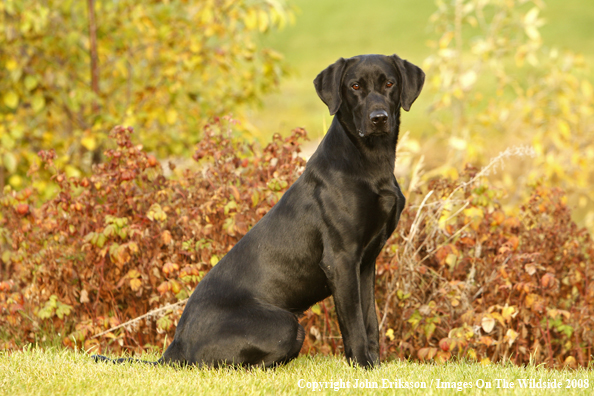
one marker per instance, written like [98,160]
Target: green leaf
[10,162]
[164,323]
[316,309]
[38,103]
[30,82]
[63,310]
[7,141]
[415,318]
[109,230]
[429,329]
[101,240]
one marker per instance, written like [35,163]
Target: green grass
[329,29]
[64,372]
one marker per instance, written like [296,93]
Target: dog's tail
[101,358]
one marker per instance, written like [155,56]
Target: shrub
[126,240]
[463,278]
[459,278]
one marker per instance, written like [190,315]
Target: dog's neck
[373,151]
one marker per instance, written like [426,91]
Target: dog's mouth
[372,131]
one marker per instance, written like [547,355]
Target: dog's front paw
[364,359]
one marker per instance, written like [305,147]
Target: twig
[150,313]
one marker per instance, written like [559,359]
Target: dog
[321,239]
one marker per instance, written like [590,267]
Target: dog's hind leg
[251,334]
[298,343]
[281,345]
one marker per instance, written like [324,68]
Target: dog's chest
[379,207]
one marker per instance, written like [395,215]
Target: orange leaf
[163,288]
[166,237]
[547,280]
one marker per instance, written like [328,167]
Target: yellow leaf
[89,143]
[497,315]
[564,129]
[133,247]
[445,40]
[587,89]
[570,361]
[530,300]
[511,336]
[263,21]
[507,313]
[531,16]
[207,15]
[451,260]
[171,116]
[390,334]
[135,284]
[11,99]
[251,19]
[11,65]
[214,259]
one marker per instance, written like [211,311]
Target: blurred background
[324,31]
[500,74]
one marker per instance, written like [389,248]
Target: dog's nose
[379,117]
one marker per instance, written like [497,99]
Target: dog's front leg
[343,278]
[368,306]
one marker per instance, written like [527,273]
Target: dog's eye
[389,84]
[355,86]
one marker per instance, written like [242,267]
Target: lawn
[327,30]
[65,372]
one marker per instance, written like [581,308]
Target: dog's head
[369,90]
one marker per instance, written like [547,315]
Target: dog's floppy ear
[327,85]
[412,81]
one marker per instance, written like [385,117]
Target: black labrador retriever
[322,238]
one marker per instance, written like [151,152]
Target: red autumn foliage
[459,278]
